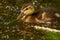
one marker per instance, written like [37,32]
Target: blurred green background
[10,29]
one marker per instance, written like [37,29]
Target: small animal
[45,16]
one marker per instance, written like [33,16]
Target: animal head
[26,9]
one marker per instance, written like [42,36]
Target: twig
[47,29]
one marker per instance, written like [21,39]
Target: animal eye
[26,8]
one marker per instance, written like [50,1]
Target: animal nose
[22,11]
[20,15]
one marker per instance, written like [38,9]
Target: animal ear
[57,14]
